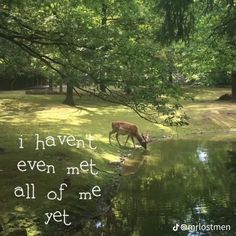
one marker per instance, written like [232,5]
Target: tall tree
[208,30]
[68,38]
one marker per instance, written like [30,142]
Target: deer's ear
[143,136]
[148,138]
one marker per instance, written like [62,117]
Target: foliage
[178,20]
[90,42]
[211,45]
[106,47]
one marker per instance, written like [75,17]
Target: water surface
[176,182]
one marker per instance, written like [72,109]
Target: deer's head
[145,140]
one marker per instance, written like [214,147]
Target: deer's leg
[112,132]
[127,140]
[117,135]
[132,138]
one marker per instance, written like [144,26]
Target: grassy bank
[45,115]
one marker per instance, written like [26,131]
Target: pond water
[177,183]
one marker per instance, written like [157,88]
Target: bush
[218,78]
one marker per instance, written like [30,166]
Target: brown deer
[126,128]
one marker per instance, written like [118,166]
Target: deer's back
[123,127]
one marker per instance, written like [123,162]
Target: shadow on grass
[30,213]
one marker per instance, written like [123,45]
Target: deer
[126,128]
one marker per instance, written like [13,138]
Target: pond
[179,183]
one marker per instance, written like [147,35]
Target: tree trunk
[233,77]
[61,87]
[69,95]
[170,78]
[102,85]
[128,89]
[50,85]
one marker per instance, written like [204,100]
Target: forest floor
[47,113]
[209,115]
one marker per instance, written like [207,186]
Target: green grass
[207,115]
[46,115]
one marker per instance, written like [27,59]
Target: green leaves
[108,45]
[178,20]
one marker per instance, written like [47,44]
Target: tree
[227,28]
[201,35]
[68,38]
